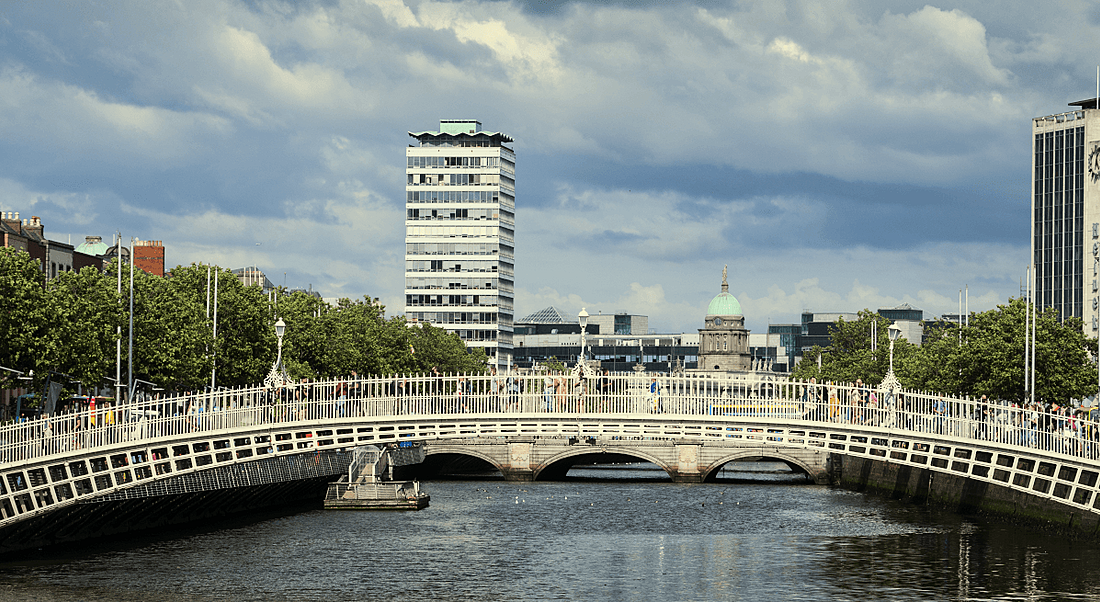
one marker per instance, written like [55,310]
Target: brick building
[149,256]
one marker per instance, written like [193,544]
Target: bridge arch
[436,452]
[775,453]
[551,467]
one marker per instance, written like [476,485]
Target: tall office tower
[1065,210]
[460,203]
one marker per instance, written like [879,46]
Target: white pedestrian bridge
[231,440]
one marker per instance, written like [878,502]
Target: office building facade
[1065,213]
[460,234]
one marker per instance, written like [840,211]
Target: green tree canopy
[985,357]
[850,355]
[24,315]
[71,325]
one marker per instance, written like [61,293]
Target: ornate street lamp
[582,368]
[278,377]
[890,382]
[583,319]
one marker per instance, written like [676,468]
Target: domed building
[724,341]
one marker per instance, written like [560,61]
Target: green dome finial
[724,304]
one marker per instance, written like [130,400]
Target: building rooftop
[549,315]
[461,129]
[1088,103]
[94,245]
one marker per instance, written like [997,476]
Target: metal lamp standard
[890,382]
[582,368]
[582,318]
[278,377]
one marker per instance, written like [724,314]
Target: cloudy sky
[836,155]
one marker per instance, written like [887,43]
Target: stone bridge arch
[557,466]
[434,454]
[789,456]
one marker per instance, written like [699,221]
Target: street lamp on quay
[278,377]
[582,318]
[22,375]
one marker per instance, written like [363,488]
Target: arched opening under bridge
[756,468]
[457,466]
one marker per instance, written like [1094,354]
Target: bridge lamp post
[582,369]
[582,318]
[890,382]
[277,377]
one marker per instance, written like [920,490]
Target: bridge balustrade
[720,398]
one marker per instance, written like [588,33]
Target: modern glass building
[1065,225]
[460,203]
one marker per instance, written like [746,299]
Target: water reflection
[628,539]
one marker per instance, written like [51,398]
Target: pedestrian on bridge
[834,403]
[939,414]
[548,392]
[461,396]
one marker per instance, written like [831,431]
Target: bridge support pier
[518,466]
[687,468]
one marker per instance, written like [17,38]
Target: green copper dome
[724,304]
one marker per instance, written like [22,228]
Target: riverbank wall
[961,494]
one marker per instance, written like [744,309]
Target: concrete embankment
[961,494]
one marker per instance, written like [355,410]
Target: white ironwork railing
[725,398]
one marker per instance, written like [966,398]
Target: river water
[631,536]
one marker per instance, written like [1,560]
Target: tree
[303,341]
[988,357]
[85,310]
[985,357]
[849,356]
[245,346]
[171,334]
[24,319]
[445,350]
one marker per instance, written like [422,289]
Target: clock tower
[723,340]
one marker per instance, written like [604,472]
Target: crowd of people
[1062,428]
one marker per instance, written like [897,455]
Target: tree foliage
[324,341]
[70,325]
[984,357]
[24,318]
[850,355]
[85,311]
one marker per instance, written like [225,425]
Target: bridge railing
[665,397]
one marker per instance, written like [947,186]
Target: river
[609,535]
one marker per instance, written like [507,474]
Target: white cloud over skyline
[836,155]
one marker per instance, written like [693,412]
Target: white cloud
[69,120]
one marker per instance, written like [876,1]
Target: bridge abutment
[959,493]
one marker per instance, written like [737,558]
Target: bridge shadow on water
[161,536]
